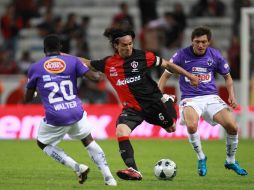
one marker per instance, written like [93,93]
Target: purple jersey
[204,67]
[55,78]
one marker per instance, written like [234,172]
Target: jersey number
[62,87]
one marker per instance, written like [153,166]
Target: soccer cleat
[166,97]
[129,174]
[236,168]
[202,170]
[109,180]
[82,173]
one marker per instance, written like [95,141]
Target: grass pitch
[23,166]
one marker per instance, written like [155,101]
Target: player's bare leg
[226,119]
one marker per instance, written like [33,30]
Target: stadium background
[22,164]
[81,25]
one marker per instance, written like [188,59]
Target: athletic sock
[97,155]
[194,140]
[127,152]
[231,147]
[60,156]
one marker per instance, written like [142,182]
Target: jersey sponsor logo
[54,65]
[199,69]
[187,61]
[46,78]
[203,77]
[134,65]
[128,80]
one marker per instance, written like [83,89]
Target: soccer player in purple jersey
[127,71]
[55,79]
[204,62]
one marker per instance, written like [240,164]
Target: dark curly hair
[113,34]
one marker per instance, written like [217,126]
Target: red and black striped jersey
[130,78]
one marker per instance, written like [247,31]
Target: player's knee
[41,145]
[231,128]
[122,131]
[119,132]
[192,127]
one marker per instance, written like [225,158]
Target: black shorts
[161,114]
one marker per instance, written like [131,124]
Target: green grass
[24,167]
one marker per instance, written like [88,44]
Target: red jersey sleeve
[152,59]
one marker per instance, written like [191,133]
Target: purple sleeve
[32,79]
[222,65]
[176,58]
[81,68]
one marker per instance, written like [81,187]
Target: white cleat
[109,180]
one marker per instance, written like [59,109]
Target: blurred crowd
[156,33]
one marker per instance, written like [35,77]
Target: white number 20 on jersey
[60,87]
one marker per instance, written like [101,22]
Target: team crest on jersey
[209,61]
[55,65]
[199,69]
[134,65]
[113,72]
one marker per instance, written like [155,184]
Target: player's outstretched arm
[85,61]
[163,80]
[94,75]
[171,67]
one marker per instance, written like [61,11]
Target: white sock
[194,139]
[60,156]
[231,147]
[98,156]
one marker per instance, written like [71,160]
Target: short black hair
[200,31]
[52,43]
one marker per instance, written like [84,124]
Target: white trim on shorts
[206,106]
[50,134]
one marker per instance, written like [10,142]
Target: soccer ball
[165,169]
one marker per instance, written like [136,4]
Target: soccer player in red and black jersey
[127,71]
